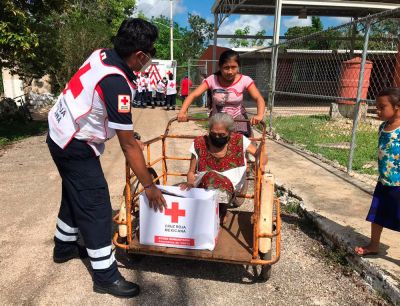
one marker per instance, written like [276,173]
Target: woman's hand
[256,120]
[182,117]
[186,186]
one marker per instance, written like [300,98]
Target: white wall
[13,86]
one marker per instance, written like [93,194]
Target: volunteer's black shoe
[167,107]
[119,288]
[77,252]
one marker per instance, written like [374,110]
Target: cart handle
[264,127]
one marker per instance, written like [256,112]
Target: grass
[331,254]
[312,131]
[204,124]
[14,130]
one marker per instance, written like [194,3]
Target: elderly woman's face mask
[219,141]
[219,136]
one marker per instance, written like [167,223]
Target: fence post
[274,64]
[358,99]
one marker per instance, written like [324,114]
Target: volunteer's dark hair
[171,77]
[135,35]
[393,93]
[226,56]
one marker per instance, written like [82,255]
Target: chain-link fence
[321,89]
[197,71]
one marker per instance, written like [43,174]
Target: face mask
[219,142]
[145,65]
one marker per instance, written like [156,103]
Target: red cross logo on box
[175,212]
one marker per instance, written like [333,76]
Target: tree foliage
[258,42]
[54,37]
[82,29]
[198,36]
[244,42]
[327,40]
[21,29]
[240,42]
[189,43]
[334,39]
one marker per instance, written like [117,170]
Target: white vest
[75,104]
[171,87]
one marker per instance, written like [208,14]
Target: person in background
[186,84]
[139,82]
[160,91]
[385,206]
[146,90]
[171,92]
[153,95]
[144,95]
[227,86]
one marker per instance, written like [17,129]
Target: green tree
[163,42]
[297,31]
[21,29]
[385,35]
[316,24]
[258,42]
[198,36]
[326,40]
[240,42]
[82,29]
[36,39]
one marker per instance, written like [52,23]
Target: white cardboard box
[190,221]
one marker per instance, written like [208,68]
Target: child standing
[385,206]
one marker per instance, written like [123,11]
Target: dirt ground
[30,195]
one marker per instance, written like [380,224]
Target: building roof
[337,8]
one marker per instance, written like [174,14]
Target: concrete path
[339,206]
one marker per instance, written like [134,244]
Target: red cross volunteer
[94,107]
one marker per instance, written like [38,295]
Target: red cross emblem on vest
[175,212]
[75,84]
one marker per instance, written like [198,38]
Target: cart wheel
[266,270]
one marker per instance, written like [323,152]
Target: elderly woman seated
[219,159]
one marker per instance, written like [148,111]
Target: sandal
[364,251]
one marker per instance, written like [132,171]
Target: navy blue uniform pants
[171,100]
[85,207]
